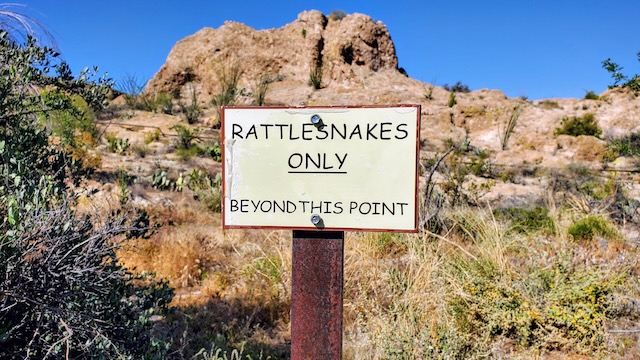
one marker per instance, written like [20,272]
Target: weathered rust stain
[316,295]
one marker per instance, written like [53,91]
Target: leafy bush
[527,220]
[592,225]
[186,154]
[63,292]
[69,124]
[576,126]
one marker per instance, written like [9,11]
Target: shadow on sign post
[320,171]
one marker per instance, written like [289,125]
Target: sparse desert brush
[384,244]
[140,149]
[152,136]
[182,248]
[527,220]
[457,294]
[628,145]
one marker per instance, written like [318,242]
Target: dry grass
[404,294]
[477,288]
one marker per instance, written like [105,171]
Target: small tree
[620,79]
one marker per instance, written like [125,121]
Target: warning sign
[333,168]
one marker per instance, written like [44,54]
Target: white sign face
[332,168]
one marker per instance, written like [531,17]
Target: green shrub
[590,226]
[260,91]
[627,146]
[186,136]
[69,125]
[557,307]
[193,150]
[229,78]
[457,87]
[163,103]
[576,126]
[591,95]
[527,220]
[63,291]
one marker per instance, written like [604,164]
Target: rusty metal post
[316,295]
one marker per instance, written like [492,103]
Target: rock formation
[342,48]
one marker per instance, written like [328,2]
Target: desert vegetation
[111,243]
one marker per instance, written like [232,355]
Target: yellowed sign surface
[354,168]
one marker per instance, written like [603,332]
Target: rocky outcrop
[345,49]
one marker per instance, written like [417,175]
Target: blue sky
[538,49]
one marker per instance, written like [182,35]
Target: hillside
[530,243]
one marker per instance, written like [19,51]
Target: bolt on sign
[321,168]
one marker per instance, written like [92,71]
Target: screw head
[315,219]
[315,119]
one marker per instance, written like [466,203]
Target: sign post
[320,171]
[316,294]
